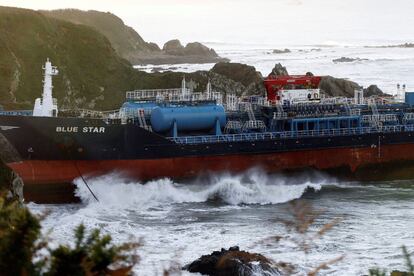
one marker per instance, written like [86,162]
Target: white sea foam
[253,187]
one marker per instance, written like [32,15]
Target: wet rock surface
[279,70]
[347,59]
[232,262]
[405,45]
[281,51]
[373,90]
[248,81]
[336,87]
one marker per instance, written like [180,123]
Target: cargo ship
[178,133]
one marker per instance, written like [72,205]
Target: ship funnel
[46,106]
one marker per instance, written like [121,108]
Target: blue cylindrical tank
[188,118]
[409,98]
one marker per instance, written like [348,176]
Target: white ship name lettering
[84,129]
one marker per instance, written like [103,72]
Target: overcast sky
[282,22]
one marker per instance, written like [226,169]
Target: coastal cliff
[131,46]
[93,75]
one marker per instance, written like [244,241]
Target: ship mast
[47,105]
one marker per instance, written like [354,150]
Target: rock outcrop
[347,59]
[174,47]
[250,80]
[336,87]
[283,51]
[373,90]
[232,262]
[279,70]
[405,45]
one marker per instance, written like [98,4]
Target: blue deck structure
[16,112]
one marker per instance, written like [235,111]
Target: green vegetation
[129,44]
[125,40]
[21,245]
[19,232]
[92,255]
[91,74]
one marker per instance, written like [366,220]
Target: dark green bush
[21,243]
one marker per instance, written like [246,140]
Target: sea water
[180,221]
[385,67]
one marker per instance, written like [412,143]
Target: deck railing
[288,134]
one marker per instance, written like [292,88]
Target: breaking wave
[251,187]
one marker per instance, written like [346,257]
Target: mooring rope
[84,181]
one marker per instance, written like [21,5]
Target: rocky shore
[347,59]
[173,52]
[405,45]
[233,262]
[283,51]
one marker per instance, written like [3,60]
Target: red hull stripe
[37,171]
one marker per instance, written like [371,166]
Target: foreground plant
[21,245]
[19,236]
[93,255]
[408,264]
[304,234]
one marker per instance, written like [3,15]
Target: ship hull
[52,181]
[50,153]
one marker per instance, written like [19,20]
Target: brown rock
[284,51]
[173,47]
[279,70]
[336,87]
[247,76]
[232,262]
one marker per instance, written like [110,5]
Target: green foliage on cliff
[91,73]
[125,40]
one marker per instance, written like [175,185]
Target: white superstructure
[46,106]
[293,96]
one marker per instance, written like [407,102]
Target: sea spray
[251,187]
